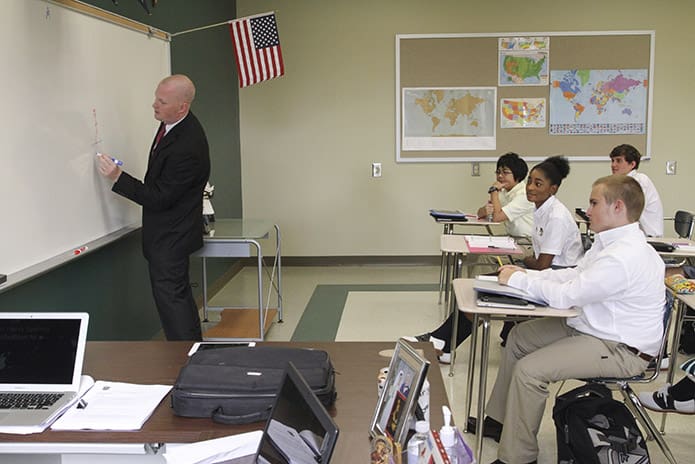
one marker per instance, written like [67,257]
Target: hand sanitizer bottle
[448,436]
[417,445]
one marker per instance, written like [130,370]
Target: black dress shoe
[491,428]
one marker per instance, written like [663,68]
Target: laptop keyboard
[28,400]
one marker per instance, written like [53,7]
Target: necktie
[160,134]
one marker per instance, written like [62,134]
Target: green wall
[112,283]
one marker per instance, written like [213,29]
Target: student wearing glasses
[507,202]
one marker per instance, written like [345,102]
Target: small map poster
[452,118]
[524,60]
[518,113]
[593,102]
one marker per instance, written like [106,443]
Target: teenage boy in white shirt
[625,160]
[619,287]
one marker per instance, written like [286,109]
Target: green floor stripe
[321,317]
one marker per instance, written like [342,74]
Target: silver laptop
[41,356]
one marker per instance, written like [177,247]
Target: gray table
[235,238]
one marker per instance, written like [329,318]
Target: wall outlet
[376,169]
[671,168]
[475,169]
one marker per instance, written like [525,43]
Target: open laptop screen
[41,350]
[299,429]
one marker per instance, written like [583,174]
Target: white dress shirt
[618,285]
[518,209]
[652,218]
[556,233]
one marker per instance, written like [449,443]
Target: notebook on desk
[41,356]
[495,288]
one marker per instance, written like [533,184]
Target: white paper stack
[113,406]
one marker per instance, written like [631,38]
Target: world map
[449,118]
[585,101]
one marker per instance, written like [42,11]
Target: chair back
[668,313]
[683,224]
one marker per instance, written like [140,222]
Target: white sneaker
[662,401]
[444,358]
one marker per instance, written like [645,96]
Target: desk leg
[484,352]
[261,309]
[205,291]
[448,229]
[453,309]
[681,308]
[278,259]
[471,371]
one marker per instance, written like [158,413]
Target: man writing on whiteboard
[171,197]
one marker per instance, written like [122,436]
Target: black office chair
[683,224]
[631,399]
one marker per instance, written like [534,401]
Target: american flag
[257,49]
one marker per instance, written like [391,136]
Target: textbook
[448,215]
[484,286]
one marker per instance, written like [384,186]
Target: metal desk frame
[233,238]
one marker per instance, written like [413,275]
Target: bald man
[171,197]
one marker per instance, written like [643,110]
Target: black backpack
[592,427]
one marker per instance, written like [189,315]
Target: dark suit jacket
[172,192]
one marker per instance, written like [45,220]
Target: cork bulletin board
[439,75]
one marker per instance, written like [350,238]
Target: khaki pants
[539,352]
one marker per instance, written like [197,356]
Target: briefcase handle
[219,416]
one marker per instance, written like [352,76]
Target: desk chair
[683,223]
[630,399]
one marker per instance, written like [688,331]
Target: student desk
[234,238]
[445,264]
[681,307]
[466,300]
[457,246]
[357,365]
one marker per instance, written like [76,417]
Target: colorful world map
[584,101]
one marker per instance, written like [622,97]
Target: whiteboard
[73,85]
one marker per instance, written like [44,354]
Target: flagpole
[201,28]
[217,24]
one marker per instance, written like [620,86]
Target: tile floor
[416,312]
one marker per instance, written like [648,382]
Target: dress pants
[539,352]
[173,296]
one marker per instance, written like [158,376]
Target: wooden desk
[234,238]
[356,363]
[466,300]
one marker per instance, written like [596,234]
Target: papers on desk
[684,248]
[113,406]
[216,450]
[86,383]
[488,242]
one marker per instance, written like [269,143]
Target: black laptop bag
[237,385]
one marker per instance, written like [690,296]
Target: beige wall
[308,139]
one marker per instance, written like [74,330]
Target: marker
[79,250]
[115,160]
